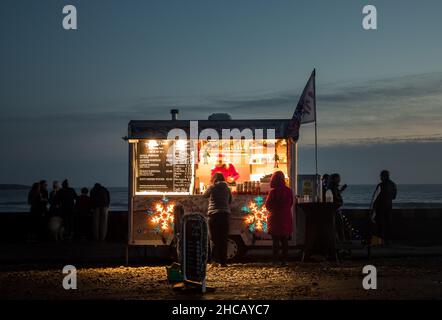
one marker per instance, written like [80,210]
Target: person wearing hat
[227,170]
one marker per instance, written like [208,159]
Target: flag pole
[316,140]
[316,162]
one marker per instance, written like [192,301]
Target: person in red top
[279,203]
[227,170]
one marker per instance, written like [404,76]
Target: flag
[306,109]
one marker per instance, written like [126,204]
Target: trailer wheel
[235,248]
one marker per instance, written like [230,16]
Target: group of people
[61,214]
[380,208]
[279,203]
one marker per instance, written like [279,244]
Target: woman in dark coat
[220,198]
[279,203]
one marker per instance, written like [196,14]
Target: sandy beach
[399,278]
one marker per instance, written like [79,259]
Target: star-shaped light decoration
[161,215]
[256,215]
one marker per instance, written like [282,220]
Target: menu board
[164,166]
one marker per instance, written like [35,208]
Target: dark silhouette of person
[279,203]
[55,222]
[83,210]
[325,184]
[66,197]
[34,198]
[337,189]
[43,215]
[54,201]
[382,205]
[100,200]
[34,201]
[220,198]
[44,197]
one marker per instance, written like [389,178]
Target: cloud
[408,162]
[362,127]
[405,108]
[380,140]
[410,86]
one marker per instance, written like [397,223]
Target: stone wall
[411,226]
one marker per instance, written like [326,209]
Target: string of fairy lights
[354,232]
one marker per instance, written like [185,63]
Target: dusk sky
[66,96]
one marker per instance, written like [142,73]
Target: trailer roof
[159,129]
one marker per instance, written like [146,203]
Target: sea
[355,196]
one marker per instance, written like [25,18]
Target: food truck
[171,163]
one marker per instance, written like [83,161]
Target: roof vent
[174,113]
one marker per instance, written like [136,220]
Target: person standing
[43,215]
[279,203]
[382,206]
[220,198]
[34,201]
[336,189]
[55,222]
[44,197]
[66,197]
[54,201]
[228,170]
[83,208]
[325,182]
[100,200]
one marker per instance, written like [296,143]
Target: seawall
[411,226]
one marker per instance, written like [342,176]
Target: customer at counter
[227,170]
[279,203]
[220,198]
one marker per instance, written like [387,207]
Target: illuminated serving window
[186,166]
[247,165]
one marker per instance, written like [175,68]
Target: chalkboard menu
[195,247]
[164,166]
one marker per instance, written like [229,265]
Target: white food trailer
[171,163]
